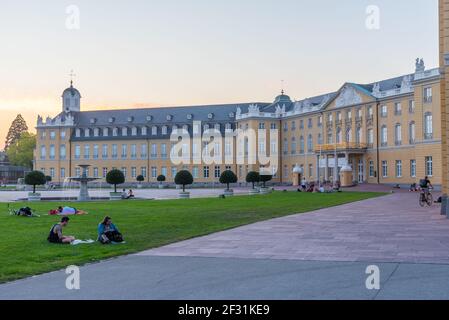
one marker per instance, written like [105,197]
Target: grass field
[24,250]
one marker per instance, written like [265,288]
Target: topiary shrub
[115,177]
[48,179]
[35,178]
[264,178]
[228,177]
[140,178]
[161,178]
[253,177]
[184,178]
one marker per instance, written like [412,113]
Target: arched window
[358,135]
[134,131]
[310,143]
[349,135]
[164,129]
[154,130]
[412,132]
[293,148]
[320,138]
[124,131]
[144,131]
[115,132]
[338,137]
[105,132]
[301,145]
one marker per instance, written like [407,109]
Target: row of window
[428,161]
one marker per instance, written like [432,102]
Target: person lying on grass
[67,211]
[108,232]
[56,235]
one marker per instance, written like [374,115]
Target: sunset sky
[183,52]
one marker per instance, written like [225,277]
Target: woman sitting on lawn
[108,232]
[56,235]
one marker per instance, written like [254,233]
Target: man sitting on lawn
[56,235]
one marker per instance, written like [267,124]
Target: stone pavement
[393,228]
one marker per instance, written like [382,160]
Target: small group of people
[107,232]
[326,187]
[127,195]
[424,185]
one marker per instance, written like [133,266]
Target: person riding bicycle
[425,185]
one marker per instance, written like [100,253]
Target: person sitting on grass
[130,194]
[124,195]
[56,235]
[108,232]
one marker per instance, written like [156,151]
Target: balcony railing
[341,146]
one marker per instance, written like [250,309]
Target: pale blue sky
[184,52]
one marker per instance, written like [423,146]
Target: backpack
[25,212]
[112,236]
[423,183]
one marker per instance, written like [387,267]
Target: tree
[253,177]
[184,178]
[115,177]
[35,178]
[264,178]
[18,126]
[161,178]
[140,178]
[228,177]
[20,153]
[48,179]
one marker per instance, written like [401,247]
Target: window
[412,132]
[174,171]
[339,135]
[384,169]
[144,131]
[206,172]
[310,143]
[429,166]
[86,151]
[164,171]
[273,126]
[293,125]
[96,132]
[77,172]
[371,169]
[349,135]
[428,126]
[399,168]
[320,121]
[124,170]
[124,131]
[358,135]
[163,150]
[115,132]
[87,132]
[95,154]
[370,111]
[105,172]
[384,136]
[310,123]
[397,109]
[124,151]
[133,151]
[143,150]
[349,115]
[52,172]
[62,173]
[52,152]
[217,171]
[301,124]
[95,172]
[320,138]
[77,133]
[428,95]
[154,150]
[261,125]
[134,131]
[339,116]
[293,146]
[329,138]
[370,136]
[52,135]
[62,152]
[104,151]
[77,152]
[105,132]
[154,131]
[384,111]
[411,106]
[301,145]
[133,172]
[398,134]
[413,168]
[114,151]
[153,172]
[164,130]
[195,172]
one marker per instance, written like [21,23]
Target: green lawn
[24,250]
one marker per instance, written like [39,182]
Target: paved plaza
[318,255]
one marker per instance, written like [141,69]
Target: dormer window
[124,131]
[206,127]
[149,118]
[174,129]
[210,116]
[86,132]
[228,127]
[154,131]
[189,116]
[111,120]
[134,131]
[169,117]
[96,132]
[77,133]
[185,127]
[93,121]
[164,130]
[130,119]
[144,131]
[105,132]
[217,127]
[115,132]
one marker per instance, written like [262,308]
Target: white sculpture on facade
[420,66]
[376,89]
[253,109]
[406,83]
[348,97]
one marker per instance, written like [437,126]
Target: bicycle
[426,197]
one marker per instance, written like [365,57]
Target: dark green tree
[253,177]
[264,178]
[115,177]
[161,178]
[140,178]
[184,178]
[228,177]
[35,178]
[18,126]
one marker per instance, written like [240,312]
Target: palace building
[386,132]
